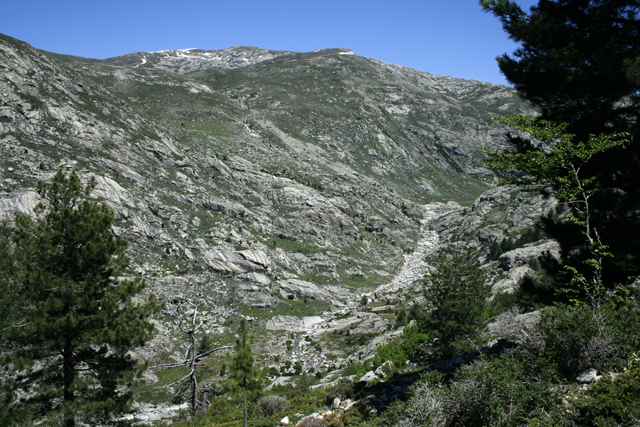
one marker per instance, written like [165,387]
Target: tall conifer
[71,351]
[579,61]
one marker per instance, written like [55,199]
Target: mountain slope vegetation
[299,193]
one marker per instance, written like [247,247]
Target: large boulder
[23,203]
[257,278]
[522,256]
[302,289]
[369,376]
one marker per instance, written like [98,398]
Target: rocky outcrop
[257,278]
[522,256]
[302,289]
[187,60]
[293,324]
[284,323]
[22,203]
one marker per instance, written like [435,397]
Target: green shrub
[623,322]
[424,405]
[575,338]
[610,402]
[270,405]
[400,351]
[353,369]
[534,292]
[401,320]
[496,392]
[344,388]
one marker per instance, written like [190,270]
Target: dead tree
[187,321]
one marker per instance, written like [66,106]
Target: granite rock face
[310,184]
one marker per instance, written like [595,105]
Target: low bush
[401,350]
[611,402]
[270,405]
[496,392]
[344,388]
[354,368]
[425,405]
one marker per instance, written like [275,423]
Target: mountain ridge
[195,59]
[329,151]
[294,186]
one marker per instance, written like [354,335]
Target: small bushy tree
[456,295]
[555,163]
[243,368]
[273,404]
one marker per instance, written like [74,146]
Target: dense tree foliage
[579,61]
[71,323]
[456,295]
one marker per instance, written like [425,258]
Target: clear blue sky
[447,37]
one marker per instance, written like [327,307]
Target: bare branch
[206,353]
[180,380]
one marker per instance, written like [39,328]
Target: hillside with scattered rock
[302,191]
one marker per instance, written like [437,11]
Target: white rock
[285,421]
[310,321]
[368,377]
[303,289]
[522,256]
[286,323]
[385,369]
[23,203]
[588,376]
[336,403]
[257,278]
[257,257]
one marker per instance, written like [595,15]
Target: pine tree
[243,369]
[456,294]
[579,61]
[77,322]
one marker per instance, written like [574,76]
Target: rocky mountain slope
[293,188]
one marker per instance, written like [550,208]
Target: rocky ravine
[283,187]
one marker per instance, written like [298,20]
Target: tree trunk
[192,366]
[67,394]
[245,407]
[205,398]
